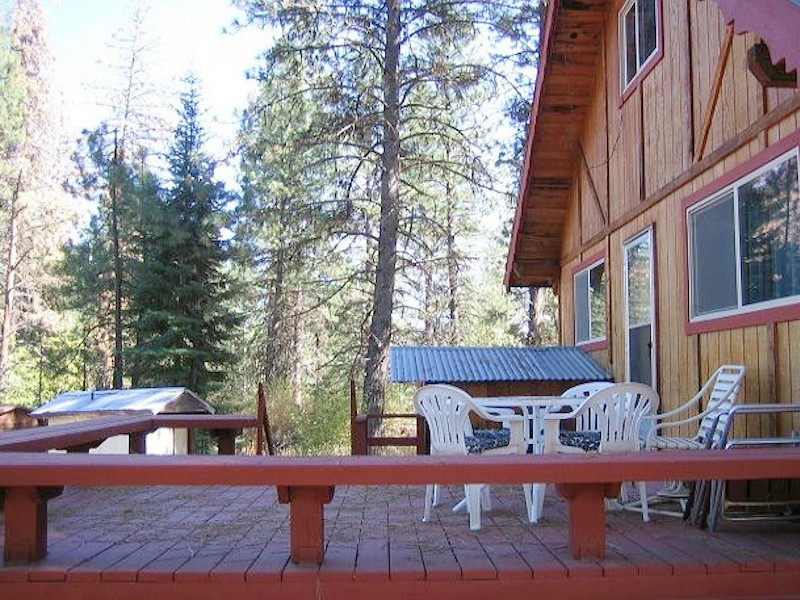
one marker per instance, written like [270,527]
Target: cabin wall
[640,166]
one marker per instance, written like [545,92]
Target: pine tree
[181,299]
[375,77]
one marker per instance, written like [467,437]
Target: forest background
[365,202]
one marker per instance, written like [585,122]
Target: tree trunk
[534,335]
[380,329]
[452,270]
[115,240]
[7,331]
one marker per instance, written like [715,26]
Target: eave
[571,42]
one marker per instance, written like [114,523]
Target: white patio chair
[446,410]
[580,392]
[607,421]
[719,394]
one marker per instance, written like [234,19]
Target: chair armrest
[509,418]
[552,429]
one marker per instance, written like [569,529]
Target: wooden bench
[80,436]
[307,484]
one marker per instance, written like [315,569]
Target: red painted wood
[587,517]
[226,441]
[25,514]
[137,443]
[307,533]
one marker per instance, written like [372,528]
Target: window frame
[742,314]
[627,87]
[585,268]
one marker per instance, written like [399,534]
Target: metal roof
[430,364]
[150,400]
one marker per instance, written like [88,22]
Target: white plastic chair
[721,392]
[446,410]
[607,421]
[579,392]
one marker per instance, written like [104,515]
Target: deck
[233,542]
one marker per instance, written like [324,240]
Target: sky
[189,37]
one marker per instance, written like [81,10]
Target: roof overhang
[570,45]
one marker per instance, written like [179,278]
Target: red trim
[790,312]
[623,95]
[764,316]
[776,21]
[547,37]
[737,173]
[594,346]
[587,262]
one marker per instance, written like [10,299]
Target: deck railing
[29,480]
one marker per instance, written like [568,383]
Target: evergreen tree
[181,299]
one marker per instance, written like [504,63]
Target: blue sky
[189,36]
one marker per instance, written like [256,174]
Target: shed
[79,405]
[496,371]
[15,417]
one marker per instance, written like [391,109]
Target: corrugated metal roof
[151,400]
[431,364]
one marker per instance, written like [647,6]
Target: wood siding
[640,166]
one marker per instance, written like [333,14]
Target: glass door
[640,309]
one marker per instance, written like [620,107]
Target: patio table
[533,408]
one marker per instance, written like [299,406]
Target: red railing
[29,480]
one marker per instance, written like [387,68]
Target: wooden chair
[447,412]
[607,421]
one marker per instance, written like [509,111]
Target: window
[639,37]
[590,304]
[744,243]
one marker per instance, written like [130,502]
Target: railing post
[25,511]
[587,516]
[306,521]
[226,441]
[423,446]
[137,443]
[358,435]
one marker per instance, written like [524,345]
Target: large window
[744,243]
[590,304]
[639,37]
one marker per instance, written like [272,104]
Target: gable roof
[571,41]
[148,400]
[444,364]
[570,44]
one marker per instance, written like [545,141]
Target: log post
[25,511]
[587,516]
[306,521]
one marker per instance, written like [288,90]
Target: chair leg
[436,494]
[527,493]
[472,492]
[486,498]
[643,499]
[430,494]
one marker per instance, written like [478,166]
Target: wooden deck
[233,542]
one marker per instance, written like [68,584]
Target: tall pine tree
[180,304]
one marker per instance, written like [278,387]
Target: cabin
[15,417]
[74,406]
[495,371]
[659,194]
